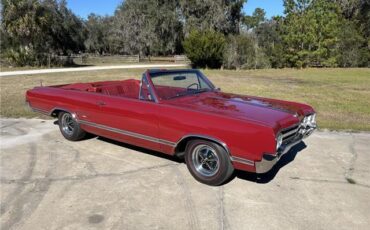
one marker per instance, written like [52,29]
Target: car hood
[271,112]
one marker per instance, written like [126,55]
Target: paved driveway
[48,182]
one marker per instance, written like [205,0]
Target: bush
[21,56]
[205,48]
[25,56]
[243,52]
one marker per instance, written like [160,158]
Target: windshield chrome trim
[151,87]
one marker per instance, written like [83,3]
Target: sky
[107,7]
[101,7]
[272,7]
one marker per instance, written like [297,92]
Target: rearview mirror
[179,78]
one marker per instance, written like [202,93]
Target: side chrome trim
[128,133]
[45,112]
[242,160]
[49,113]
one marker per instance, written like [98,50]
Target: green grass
[88,64]
[97,61]
[341,97]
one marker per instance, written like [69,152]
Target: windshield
[170,85]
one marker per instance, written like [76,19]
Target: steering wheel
[189,86]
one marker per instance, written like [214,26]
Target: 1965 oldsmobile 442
[180,112]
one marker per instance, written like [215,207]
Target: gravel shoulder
[48,182]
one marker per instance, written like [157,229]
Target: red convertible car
[180,112]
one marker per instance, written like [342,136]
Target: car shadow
[132,147]
[142,150]
[270,175]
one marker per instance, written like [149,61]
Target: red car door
[130,120]
[86,106]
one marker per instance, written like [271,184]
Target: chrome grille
[289,133]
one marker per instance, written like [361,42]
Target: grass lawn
[341,97]
[90,64]
[98,61]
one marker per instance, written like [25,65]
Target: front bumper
[269,160]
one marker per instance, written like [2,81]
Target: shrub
[205,48]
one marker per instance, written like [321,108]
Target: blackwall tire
[208,162]
[69,127]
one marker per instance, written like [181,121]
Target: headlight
[305,120]
[311,120]
[279,141]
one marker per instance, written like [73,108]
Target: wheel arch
[181,144]
[55,112]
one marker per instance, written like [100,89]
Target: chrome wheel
[205,160]
[68,124]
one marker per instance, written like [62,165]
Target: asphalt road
[91,68]
[48,182]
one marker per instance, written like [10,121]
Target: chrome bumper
[269,160]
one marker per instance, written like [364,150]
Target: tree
[350,45]
[269,37]
[355,35]
[147,27]
[242,52]
[35,29]
[205,48]
[98,34]
[73,30]
[257,17]
[220,15]
[310,32]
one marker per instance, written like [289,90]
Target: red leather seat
[131,88]
[113,90]
[128,88]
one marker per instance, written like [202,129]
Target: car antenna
[41,83]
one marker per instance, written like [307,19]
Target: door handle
[100,103]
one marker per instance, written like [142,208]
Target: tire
[69,127]
[208,162]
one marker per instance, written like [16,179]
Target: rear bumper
[269,160]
